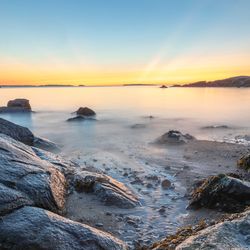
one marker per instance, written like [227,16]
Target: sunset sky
[123,41]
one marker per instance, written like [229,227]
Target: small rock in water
[174,137]
[16,105]
[85,111]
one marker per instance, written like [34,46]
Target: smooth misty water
[114,142]
[118,108]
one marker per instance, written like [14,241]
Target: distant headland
[236,82]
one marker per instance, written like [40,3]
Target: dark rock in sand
[109,191]
[21,169]
[25,136]
[85,111]
[17,105]
[244,162]
[35,228]
[222,192]
[166,184]
[16,132]
[174,137]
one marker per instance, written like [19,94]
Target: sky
[102,42]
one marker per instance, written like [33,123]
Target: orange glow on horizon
[184,69]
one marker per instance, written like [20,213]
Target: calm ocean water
[119,108]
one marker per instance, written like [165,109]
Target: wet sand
[162,211]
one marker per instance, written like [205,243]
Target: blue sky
[103,34]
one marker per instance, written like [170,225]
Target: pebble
[162,210]
[166,184]
[99,225]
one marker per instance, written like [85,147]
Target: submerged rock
[138,125]
[174,137]
[21,169]
[216,127]
[109,191]
[16,132]
[85,111]
[17,105]
[36,228]
[25,136]
[234,234]
[244,162]
[78,118]
[222,192]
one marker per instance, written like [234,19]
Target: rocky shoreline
[71,205]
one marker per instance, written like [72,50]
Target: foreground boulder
[17,105]
[233,234]
[109,191]
[16,132]
[174,137]
[222,192]
[22,170]
[46,144]
[36,228]
[244,162]
[25,136]
[85,111]
[11,199]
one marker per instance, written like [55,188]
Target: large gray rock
[25,136]
[109,190]
[11,199]
[222,192]
[22,170]
[46,144]
[16,132]
[32,228]
[67,167]
[16,105]
[174,137]
[233,234]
